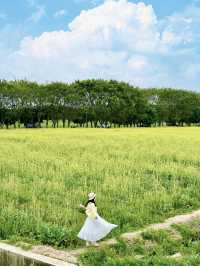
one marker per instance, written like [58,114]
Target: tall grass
[140,176]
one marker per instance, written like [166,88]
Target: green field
[141,176]
[178,246]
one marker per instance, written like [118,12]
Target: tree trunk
[54,123]
[63,122]
[47,123]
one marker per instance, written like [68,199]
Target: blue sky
[147,43]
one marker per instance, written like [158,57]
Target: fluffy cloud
[117,39]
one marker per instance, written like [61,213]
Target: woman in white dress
[95,227]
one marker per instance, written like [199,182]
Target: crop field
[140,175]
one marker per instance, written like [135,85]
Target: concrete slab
[15,256]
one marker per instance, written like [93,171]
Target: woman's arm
[82,206]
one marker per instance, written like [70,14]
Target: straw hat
[91,195]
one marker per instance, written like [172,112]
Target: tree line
[95,103]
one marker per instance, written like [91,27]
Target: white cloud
[117,39]
[168,37]
[138,63]
[111,26]
[184,25]
[60,13]
[132,26]
[37,15]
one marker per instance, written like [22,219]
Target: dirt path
[72,256]
[165,225]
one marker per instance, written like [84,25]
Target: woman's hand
[82,206]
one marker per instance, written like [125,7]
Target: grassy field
[179,246]
[141,176]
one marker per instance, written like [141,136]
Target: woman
[95,227]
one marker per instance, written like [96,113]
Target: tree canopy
[95,103]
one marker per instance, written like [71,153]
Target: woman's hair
[92,201]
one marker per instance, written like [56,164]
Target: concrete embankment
[14,256]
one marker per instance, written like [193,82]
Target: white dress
[95,227]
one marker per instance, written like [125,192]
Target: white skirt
[95,229]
